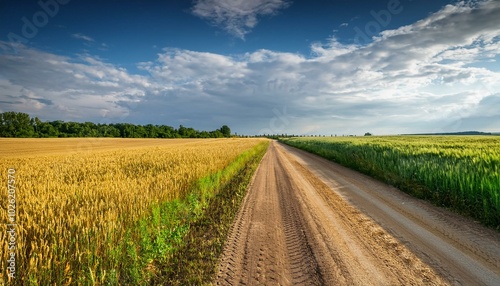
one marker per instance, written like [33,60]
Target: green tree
[46,129]
[166,132]
[216,134]
[89,129]
[36,123]
[16,124]
[204,134]
[74,129]
[105,130]
[140,131]
[225,130]
[151,131]
[128,131]
[187,132]
[13,124]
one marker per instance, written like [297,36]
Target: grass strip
[180,242]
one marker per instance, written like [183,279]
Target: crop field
[108,211]
[459,172]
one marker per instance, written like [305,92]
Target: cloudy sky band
[438,74]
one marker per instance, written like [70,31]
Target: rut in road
[293,230]
[459,249]
[267,243]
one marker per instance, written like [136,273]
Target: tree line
[18,124]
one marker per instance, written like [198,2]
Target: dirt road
[308,221]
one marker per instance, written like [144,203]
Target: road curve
[308,221]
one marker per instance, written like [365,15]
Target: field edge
[411,187]
[196,257]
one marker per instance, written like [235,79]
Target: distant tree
[151,131]
[7,124]
[140,131]
[13,124]
[36,123]
[216,134]
[166,132]
[368,134]
[45,129]
[182,131]
[104,130]
[89,129]
[74,129]
[16,124]
[128,131]
[187,132]
[225,130]
[204,134]
[57,125]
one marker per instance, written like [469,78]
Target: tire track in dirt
[266,244]
[292,229]
[360,250]
[458,249]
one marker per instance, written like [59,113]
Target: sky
[260,66]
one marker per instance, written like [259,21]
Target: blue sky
[259,66]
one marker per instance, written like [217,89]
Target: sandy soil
[308,221]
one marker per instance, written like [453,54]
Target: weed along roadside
[181,240]
[205,216]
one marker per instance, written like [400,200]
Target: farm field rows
[459,172]
[107,211]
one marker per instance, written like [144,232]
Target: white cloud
[430,76]
[238,17]
[59,87]
[82,37]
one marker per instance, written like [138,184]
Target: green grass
[458,172]
[179,243]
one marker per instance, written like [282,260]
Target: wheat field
[461,172]
[76,198]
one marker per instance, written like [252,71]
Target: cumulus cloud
[485,115]
[238,17]
[52,85]
[411,77]
[430,76]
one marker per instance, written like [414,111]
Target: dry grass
[76,198]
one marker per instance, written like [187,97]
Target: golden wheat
[77,197]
